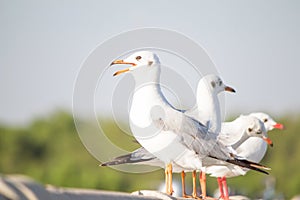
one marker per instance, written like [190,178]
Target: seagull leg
[194,174]
[224,183]
[170,186]
[184,195]
[202,177]
[167,179]
[221,187]
[171,181]
[183,184]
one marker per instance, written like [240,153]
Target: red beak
[268,141]
[278,126]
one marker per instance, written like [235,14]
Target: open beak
[116,62]
[278,126]
[229,89]
[268,140]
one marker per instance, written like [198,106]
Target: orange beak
[268,140]
[121,62]
[279,126]
[229,89]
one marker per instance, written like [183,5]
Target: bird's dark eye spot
[265,120]
[220,83]
[250,129]
[138,57]
[213,84]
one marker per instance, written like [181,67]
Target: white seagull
[259,149]
[208,112]
[251,148]
[165,132]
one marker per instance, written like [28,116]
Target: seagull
[252,148]
[207,111]
[239,130]
[168,133]
[232,135]
[259,149]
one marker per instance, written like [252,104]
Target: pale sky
[254,44]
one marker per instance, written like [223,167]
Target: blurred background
[255,46]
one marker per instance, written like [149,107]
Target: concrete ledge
[18,187]
[79,194]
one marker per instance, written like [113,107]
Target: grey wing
[194,135]
[139,156]
[194,113]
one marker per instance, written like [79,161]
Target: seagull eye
[220,83]
[213,84]
[265,120]
[138,58]
[250,129]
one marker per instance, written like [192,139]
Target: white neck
[147,95]
[208,108]
[237,132]
[241,140]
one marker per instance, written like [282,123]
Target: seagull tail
[250,165]
[247,164]
[125,159]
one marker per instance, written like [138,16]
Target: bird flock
[194,140]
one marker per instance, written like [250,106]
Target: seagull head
[216,84]
[269,123]
[256,128]
[137,60]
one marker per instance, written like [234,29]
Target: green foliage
[50,151]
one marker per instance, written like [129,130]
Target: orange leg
[183,184]
[194,194]
[202,177]
[184,195]
[169,181]
[166,180]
